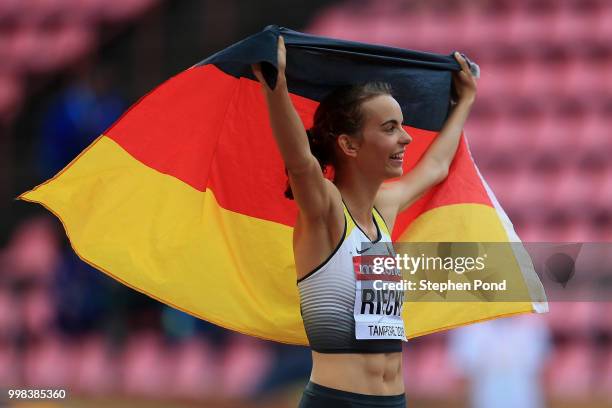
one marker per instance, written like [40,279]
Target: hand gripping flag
[182,198]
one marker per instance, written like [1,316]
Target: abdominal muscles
[374,374]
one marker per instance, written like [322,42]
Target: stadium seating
[42,37]
[539,132]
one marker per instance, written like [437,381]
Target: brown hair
[339,112]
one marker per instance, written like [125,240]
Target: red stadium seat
[331,22]
[48,362]
[602,197]
[245,362]
[532,191]
[484,129]
[144,367]
[525,26]
[604,379]
[9,359]
[125,9]
[60,47]
[503,185]
[478,25]
[528,231]
[604,317]
[557,133]
[95,369]
[431,370]
[561,224]
[595,132]
[572,25]
[594,165]
[11,95]
[394,30]
[509,140]
[195,371]
[600,223]
[579,78]
[38,311]
[11,11]
[22,44]
[436,28]
[500,80]
[44,12]
[574,192]
[33,251]
[577,316]
[9,320]
[602,27]
[41,36]
[571,370]
[537,80]
[89,11]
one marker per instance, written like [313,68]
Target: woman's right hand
[281,61]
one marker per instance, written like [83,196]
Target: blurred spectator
[291,364]
[85,295]
[89,301]
[79,114]
[503,361]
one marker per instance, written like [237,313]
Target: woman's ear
[349,145]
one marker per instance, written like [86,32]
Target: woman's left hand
[464,82]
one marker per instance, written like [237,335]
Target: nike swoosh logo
[361,252]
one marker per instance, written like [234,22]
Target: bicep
[311,190]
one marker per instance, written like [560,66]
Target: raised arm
[433,167]
[311,190]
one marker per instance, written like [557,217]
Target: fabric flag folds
[182,198]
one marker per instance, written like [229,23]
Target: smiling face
[380,149]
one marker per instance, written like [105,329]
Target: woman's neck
[358,192]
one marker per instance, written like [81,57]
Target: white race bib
[378,307]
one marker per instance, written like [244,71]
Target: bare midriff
[371,374]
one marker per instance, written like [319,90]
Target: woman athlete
[357,130]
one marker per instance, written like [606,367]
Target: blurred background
[539,131]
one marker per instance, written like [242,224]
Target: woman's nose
[405,138]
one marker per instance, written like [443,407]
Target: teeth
[398,156]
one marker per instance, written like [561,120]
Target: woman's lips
[397,158]
[397,162]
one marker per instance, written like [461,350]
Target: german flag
[182,198]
